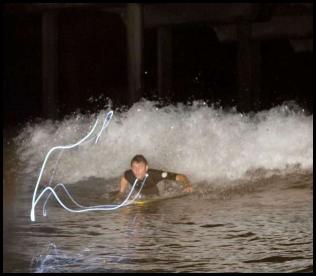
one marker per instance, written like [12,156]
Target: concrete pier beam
[164,61]
[249,68]
[49,64]
[135,40]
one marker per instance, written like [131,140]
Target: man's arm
[123,185]
[185,182]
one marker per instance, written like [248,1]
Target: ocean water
[251,209]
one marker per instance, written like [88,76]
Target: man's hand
[115,196]
[185,182]
[119,196]
[188,189]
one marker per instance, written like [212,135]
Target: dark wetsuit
[150,186]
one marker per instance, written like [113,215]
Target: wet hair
[139,158]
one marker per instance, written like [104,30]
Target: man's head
[139,166]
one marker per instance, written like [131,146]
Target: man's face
[139,169]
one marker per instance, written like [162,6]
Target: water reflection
[261,230]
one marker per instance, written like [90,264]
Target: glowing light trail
[35,200]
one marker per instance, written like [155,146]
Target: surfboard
[146,201]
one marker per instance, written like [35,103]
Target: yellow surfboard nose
[140,202]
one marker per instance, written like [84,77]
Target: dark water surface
[266,228]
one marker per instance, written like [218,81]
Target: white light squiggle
[103,207]
[52,191]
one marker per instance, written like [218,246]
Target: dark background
[93,62]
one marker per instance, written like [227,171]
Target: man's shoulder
[128,171]
[128,174]
[158,170]
[154,171]
[162,173]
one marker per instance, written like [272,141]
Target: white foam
[202,142]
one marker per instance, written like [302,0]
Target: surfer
[139,169]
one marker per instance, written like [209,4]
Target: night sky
[93,62]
